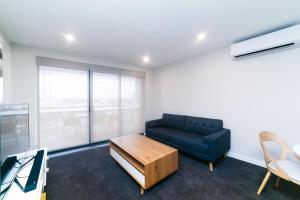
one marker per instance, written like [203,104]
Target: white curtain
[105,109]
[81,103]
[63,108]
[117,106]
[132,105]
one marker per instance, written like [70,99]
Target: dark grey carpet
[92,175]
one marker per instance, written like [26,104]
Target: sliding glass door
[117,106]
[64,107]
[81,104]
[105,106]
[132,105]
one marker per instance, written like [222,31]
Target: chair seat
[292,169]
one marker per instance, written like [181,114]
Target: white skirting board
[247,159]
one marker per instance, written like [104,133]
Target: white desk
[14,192]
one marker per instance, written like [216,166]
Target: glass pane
[105,111]
[132,105]
[14,129]
[63,108]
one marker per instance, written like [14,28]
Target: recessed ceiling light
[69,37]
[146,59]
[200,37]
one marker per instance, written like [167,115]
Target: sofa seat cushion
[186,139]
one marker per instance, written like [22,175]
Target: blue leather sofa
[203,138]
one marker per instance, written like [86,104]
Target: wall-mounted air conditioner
[275,41]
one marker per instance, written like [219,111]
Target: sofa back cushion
[174,121]
[203,126]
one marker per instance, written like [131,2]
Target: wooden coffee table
[146,160]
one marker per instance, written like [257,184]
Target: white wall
[6,67]
[261,93]
[24,79]
[251,95]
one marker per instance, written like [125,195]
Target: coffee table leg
[142,190]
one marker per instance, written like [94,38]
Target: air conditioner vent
[268,50]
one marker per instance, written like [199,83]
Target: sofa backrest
[203,126]
[174,121]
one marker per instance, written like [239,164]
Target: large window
[63,107]
[90,104]
[118,105]
[106,112]
[132,105]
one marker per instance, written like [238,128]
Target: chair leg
[263,184]
[277,182]
[211,167]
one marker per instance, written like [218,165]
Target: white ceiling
[125,30]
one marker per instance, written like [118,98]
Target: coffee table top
[143,149]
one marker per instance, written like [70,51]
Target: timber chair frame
[270,161]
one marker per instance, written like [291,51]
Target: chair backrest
[269,159]
[272,137]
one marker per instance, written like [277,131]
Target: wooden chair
[280,166]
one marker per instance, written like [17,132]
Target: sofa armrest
[218,143]
[154,123]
